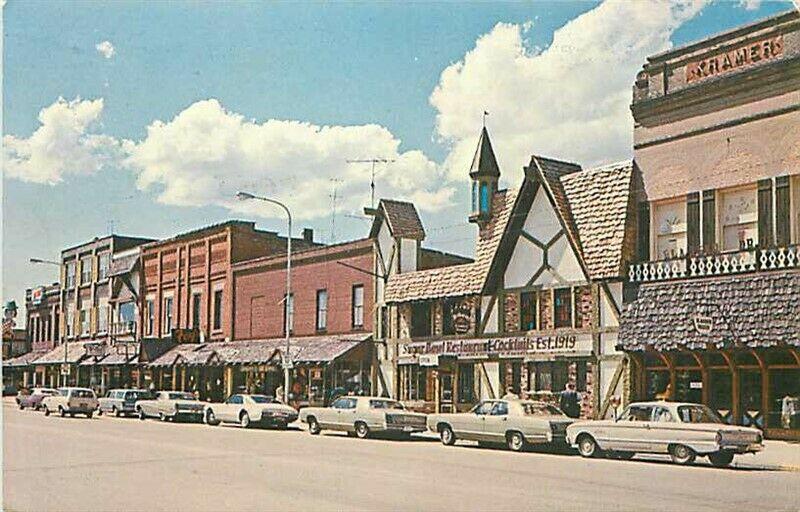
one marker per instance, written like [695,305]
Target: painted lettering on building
[519,346]
[746,55]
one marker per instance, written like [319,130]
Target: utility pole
[373,161]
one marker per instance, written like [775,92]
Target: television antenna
[372,161]
[334,196]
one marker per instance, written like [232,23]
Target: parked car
[70,401]
[515,423]
[32,398]
[171,405]
[683,430]
[362,416]
[121,402]
[247,410]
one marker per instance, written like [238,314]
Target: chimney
[308,235]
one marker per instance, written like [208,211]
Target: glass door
[750,408]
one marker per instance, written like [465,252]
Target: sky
[145,119]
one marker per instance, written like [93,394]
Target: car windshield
[181,396]
[385,404]
[136,395]
[697,414]
[261,399]
[535,409]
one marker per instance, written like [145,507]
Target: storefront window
[784,399]
[657,382]
[688,386]
[720,397]
[413,382]
[527,311]
[552,376]
[466,383]
[750,403]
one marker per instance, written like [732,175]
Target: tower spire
[484,173]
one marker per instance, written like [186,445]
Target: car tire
[61,411]
[313,426]
[99,411]
[21,406]
[682,454]
[116,412]
[244,420]
[211,419]
[720,459]
[516,441]
[89,415]
[162,416]
[587,446]
[46,411]
[142,415]
[362,430]
[447,435]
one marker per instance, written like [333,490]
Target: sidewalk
[782,455]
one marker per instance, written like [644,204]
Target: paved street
[64,464]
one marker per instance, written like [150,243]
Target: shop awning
[23,360]
[305,350]
[757,310]
[321,349]
[75,353]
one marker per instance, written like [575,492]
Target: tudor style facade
[714,313]
[539,306]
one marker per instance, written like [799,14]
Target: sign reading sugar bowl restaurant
[514,346]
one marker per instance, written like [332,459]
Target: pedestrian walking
[569,401]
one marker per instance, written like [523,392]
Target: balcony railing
[123,328]
[707,265]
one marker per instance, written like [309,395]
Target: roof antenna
[334,197]
[373,161]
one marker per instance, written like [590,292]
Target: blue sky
[339,65]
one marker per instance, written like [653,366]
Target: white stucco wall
[491,323]
[408,255]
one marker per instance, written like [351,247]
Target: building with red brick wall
[188,279]
[332,292]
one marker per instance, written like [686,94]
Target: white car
[247,410]
[516,423]
[362,416]
[171,405]
[70,401]
[683,430]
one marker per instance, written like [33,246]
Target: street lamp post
[287,358]
[40,261]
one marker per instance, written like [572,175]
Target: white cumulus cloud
[62,146]
[205,154]
[570,100]
[106,49]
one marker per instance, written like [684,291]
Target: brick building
[188,278]
[537,308]
[714,313]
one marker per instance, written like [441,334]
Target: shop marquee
[427,352]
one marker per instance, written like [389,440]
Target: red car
[32,399]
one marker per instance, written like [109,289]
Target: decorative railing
[707,265]
[122,328]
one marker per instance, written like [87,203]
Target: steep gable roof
[599,201]
[402,217]
[465,279]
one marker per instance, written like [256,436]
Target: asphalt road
[65,464]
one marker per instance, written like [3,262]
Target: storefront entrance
[754,388]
